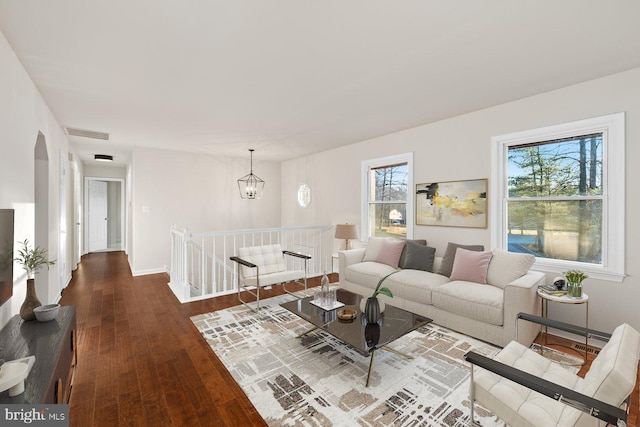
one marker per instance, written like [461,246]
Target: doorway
[41,211]
[104,214]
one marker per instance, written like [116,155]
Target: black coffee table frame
[365,338]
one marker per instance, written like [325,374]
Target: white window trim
[613,249]
[367,165]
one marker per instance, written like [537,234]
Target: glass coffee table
[365,338]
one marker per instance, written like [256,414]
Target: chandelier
[250,185]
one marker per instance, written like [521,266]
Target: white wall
[195,191]
[99,171]
[23,113]
[459,148]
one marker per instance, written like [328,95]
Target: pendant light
[250,186]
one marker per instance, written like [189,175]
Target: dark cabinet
[54,345]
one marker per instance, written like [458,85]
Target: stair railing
[200,266]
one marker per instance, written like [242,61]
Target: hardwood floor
[141,362]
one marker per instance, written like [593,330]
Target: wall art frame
[453,203]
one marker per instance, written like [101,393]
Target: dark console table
[54,345]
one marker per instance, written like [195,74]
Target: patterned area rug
[317,380]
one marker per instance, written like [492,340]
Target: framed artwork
[452,203]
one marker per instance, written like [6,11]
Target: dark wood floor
[141,360]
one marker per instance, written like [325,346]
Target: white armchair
[523,388]
[263,266]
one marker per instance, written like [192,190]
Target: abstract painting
[452,203]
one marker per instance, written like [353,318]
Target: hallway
[140,360]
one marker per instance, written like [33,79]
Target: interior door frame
[123,210]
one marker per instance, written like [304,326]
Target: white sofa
[485,311]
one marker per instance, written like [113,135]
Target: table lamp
[347,232]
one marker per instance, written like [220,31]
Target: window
[387,209]
[560,196]
[304,195]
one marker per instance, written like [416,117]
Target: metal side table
[564,299]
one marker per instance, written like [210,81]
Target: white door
[97,215]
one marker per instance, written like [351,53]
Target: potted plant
[31,259]
[372,307]
[574,280]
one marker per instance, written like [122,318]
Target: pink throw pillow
[390,252]
[471,266]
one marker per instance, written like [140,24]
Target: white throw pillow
[373,249]
[505,267]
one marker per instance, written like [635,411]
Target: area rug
[316,380]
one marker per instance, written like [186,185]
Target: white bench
[523,388]
[263,266]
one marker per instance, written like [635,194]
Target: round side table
[564,299]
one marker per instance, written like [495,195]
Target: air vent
[87,133]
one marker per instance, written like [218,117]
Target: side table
[564,299]
[55,347]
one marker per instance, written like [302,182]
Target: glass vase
[574,290]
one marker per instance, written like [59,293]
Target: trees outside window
[560,195]
[387,201]
[554,203]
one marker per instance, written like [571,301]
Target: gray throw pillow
[418,257]
[402,261]
[450,254]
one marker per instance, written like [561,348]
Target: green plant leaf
[384,291]
[378,290]
[32,259]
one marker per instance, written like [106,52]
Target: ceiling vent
[87,133]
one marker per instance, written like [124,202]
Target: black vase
[372,334]
[372,310]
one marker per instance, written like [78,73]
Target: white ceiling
[293,77]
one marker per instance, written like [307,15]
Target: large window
[561,195]
[387,202]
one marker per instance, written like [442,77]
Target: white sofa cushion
[414,285]
[471,300]
[505,267]
[268,258]
[367,273]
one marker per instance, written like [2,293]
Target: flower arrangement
[575,276]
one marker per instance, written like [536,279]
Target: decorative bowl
[45,313]
[347,314]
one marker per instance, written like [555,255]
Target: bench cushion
[518,405]
[268,258]
[612,374]
[611,378]
[274,278]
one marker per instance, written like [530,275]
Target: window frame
[612,128]
[365,175]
